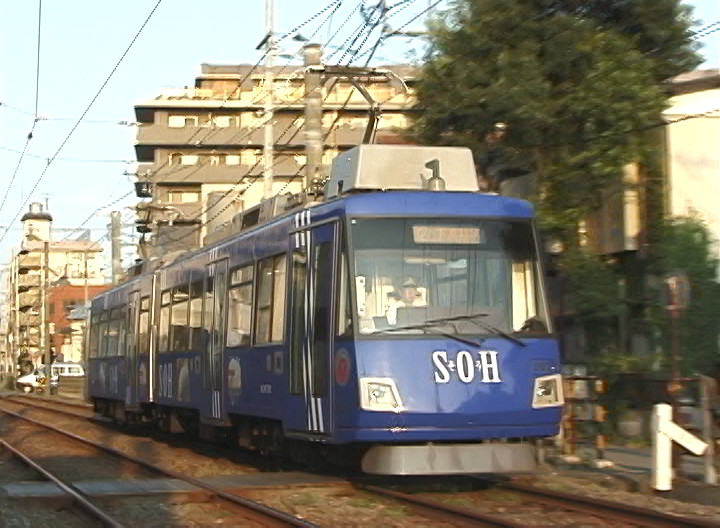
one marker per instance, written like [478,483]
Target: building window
[189,159]
[181,197]
[240,307]
[178,121]
[270,309]
[221,121]
[175,158]
[214,159]
[232,159]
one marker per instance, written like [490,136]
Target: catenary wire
[82,116]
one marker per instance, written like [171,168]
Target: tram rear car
[407,325]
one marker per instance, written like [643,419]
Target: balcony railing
[29,299]
[27,281]
[29,319]
[30,261]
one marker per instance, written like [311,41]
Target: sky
[82,41]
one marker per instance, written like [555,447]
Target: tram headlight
[548,391]
[379,394]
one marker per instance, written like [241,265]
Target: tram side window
[344,306]
[144,332]
[179,319]
[240,307]
[102,335]
[113,333]
[298,285]
[207,329]
[94,331]
[270,314]
[164,331]
[122,317]
[195,325]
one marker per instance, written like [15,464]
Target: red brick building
[62,300]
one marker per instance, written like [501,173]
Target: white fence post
[664,433]
[661,449]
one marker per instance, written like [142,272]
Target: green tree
[571,79]
[684,245]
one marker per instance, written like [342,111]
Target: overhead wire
[206,209]
[32,129]
[354,36]
[82,116]
[266,91]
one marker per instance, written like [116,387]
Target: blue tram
[401,318]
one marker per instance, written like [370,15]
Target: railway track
[547,501]
[551,502]
[255,511]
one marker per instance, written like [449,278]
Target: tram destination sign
[436,234]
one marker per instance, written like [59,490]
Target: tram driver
[406,295]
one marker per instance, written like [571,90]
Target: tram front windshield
[468,273]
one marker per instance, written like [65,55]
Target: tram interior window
[270,314]
[144,332]
[195,322]
[179,319]
[164,330]
[240,307]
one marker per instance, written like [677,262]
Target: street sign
[676,293]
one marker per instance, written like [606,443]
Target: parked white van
[31,382]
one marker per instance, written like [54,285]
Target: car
[35,380]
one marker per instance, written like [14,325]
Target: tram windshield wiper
[474,318]
[426,328]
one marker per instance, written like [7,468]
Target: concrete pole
[269,136]
[116,245]
[313,115]
[45,316]
[16,328]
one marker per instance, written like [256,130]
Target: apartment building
[66,273]
[200,150]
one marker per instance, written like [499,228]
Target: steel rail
[255,507]
[449,512]
[77,495]
[604,508]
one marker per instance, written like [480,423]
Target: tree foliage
[684,245]
[572,79]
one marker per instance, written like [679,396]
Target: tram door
[133,328]
[215,310]
[311,320]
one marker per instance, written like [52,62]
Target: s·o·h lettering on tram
[387,322]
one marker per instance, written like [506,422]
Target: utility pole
[116,245]
[313,114]
[45,316]
[268,153]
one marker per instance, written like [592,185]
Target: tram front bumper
[448,459]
